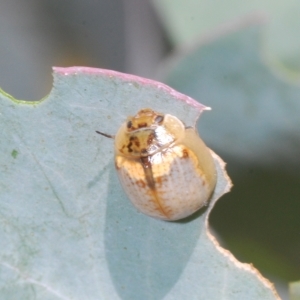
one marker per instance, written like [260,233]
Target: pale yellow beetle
[165,168]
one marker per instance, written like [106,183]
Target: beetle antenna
[106,135]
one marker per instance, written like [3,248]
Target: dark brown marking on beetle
[129,147]
[133,141]
[150,139]
[160,180]
[147,166]
[141,183]
[185,153]
[141,125]
[144,152]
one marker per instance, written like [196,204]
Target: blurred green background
[240,58]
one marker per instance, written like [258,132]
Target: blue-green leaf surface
[67,230]
[186,20]
[254,125]
[255,114]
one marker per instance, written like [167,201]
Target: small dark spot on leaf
[14,153]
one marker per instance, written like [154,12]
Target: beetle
[164,167]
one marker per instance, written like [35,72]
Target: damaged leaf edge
[221,173]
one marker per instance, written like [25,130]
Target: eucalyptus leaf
[186,20]
[255,113]
[68,230]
